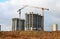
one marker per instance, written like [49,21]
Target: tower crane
[42,13]
[20,11]
[39,8]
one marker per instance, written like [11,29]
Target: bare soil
[29,35]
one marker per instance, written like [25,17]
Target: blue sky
[8,10]
[3,0]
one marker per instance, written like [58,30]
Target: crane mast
[20,11]
[20,14]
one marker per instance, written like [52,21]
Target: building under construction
[17,24]
[33,22]
[0,27]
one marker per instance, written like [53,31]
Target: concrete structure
[17,24]
[0,27]
[34,22]
[55,27]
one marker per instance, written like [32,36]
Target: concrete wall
[0,27]
[17,24]
[33,22]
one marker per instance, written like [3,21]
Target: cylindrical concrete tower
[55,27]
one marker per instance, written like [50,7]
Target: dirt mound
[29,35]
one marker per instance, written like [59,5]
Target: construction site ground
[29,35]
